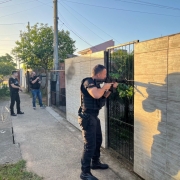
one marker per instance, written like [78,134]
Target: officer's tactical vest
[87,101]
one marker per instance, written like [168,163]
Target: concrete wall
[75,70]
[157,108]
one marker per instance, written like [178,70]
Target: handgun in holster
[85,119]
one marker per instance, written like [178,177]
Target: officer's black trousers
[92,143]
[15,98]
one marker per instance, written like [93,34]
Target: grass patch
[5,98]
[17,172]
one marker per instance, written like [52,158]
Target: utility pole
[28,26]
[56,60]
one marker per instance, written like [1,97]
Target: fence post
[106,63]
[48,94]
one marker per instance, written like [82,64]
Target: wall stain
[70,72]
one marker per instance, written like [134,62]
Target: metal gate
[58,98]
[119,61]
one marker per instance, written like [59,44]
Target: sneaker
[87,176]
[43,107]
[34,108]
[98,165]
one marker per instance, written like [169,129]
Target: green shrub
[4,90]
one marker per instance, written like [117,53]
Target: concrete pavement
[9,151]
[52,147]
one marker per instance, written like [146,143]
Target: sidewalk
[9,151]
[51,146]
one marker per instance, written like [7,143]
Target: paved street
[52,146]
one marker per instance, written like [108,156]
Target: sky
[91,22]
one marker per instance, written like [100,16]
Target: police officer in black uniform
[14,93]
[92,100]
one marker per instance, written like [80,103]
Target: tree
[35,47]
[6,66]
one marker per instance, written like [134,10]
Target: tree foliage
[122,67]
[35,47]
[6,66]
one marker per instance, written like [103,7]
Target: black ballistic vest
[87,101]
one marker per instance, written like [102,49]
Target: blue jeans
[36,93]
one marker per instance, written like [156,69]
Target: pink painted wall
[103,46]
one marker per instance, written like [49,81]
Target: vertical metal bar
[129,62]
[128,144]
[106,64]
[124,57]
[110,58]
[133,101]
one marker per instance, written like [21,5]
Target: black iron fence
[119,62]
[58,98]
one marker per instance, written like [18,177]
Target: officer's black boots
[87,176]
[20,112]
[98,165]
[13,114]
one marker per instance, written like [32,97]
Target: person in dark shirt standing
[35,83]
[14,93]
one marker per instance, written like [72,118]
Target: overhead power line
[8,34]
[8,40]
[61,26]
[120,9]
[149,4]
[92,23]
[68,26]
[82,23]
[20,11]
[11,24]
[45,3]
[2,2]
[17,4]
[75,33]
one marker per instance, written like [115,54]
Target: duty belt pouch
[84,120]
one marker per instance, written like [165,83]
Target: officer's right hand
[37,78]
[20,89]
[107,86]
